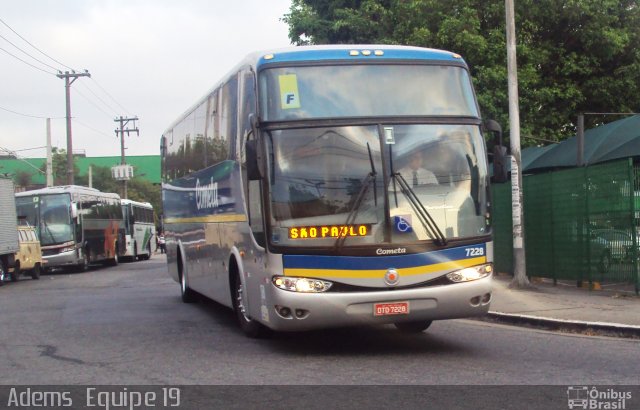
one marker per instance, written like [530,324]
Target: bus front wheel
[86,260]
[249,327]
[413,327]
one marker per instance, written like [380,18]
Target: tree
[138,189]
[22,179]
[59,163]
[573,55]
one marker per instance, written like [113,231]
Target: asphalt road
[127,325]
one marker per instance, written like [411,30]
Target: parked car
[28,260]
[611,245]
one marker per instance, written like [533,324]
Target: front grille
[344,288]
[50,252]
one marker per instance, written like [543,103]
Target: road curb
[579,326]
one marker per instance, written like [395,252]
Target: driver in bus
[415,174]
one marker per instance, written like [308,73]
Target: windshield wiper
[47,230]
[353,212]
[425,217]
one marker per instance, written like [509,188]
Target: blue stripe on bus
[382,262]
[343,54]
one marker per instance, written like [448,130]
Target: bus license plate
[389,309]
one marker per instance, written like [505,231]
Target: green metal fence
[580,224]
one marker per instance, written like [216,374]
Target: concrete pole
[70,176]
[519,263]
[49,171]
[69,78]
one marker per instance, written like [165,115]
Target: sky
[150,59]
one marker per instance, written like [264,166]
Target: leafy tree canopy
[573,55]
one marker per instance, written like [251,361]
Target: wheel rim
[183,284]
[240,302]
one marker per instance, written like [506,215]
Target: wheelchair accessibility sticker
[402,223]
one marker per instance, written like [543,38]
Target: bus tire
[148,255]
[116,258]
[35,272]
[86,260]
[187,294]
[413,327]
[3,272]
[135,252]
[249,327]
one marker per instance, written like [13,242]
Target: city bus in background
[291,192]
[139,229]
[76,225]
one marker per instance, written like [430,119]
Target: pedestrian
[161,243]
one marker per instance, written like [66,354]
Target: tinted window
[365,91]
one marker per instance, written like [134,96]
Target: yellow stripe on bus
[208,219]
[379,273]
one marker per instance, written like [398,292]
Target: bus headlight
[304,285]
[469,274]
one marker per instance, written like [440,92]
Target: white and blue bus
[332,186]
[77,226]
[139,229]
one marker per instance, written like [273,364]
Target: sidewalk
[614,310]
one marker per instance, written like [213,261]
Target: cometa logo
[396,251]
[206,195]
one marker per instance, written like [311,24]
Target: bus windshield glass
[366,90]
[328,183]
[50,214]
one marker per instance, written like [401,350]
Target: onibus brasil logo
[583,397]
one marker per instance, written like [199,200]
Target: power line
[8,151]
[26,62]
[110,96]
[94,104]
[98,97]
[27,54]
[29,149]
[91,128]
[36,48]
[62,64]
[28,115]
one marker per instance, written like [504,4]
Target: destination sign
[329,231]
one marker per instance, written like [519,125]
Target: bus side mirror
[499,152]
[163,146]
[74,211]
[253,159]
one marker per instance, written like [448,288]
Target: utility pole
[519,263]
[123,123]
[49,156]
[69,78]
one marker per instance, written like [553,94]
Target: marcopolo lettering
[206,195]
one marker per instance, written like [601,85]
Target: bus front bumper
[62,259]
[333,309]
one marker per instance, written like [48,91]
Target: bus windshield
[51,216]
[366,90]
[328,183]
